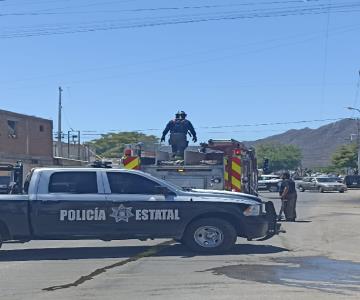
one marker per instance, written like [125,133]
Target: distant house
[30,139]
[25,138]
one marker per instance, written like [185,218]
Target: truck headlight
[252,210]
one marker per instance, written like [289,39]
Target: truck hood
[222,196]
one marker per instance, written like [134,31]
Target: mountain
[317,145]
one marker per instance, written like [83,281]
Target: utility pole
[59,125]
[358,137]
[79,154]
[357,123]
[358,145]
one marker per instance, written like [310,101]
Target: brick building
[25,138]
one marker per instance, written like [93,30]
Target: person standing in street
[288,197]
[179,128]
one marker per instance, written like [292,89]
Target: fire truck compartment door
[188,182]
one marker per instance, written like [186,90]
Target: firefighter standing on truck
[179,128]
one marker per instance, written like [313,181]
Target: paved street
[318,258]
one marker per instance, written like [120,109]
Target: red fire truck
[217,164]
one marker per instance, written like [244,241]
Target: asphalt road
[317,258]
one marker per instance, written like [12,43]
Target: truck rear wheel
[210,235]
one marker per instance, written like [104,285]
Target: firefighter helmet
[180,114]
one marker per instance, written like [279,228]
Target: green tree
[345,157]
[111,145]
[281,157]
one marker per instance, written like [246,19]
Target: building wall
[25,138]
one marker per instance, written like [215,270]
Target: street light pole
[358,137]
[59,125]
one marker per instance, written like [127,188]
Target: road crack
[150,252]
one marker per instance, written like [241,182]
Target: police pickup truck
[110,204]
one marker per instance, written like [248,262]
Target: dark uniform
[289,197]
[179,128]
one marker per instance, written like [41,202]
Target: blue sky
[248,66]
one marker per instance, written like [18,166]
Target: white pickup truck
[269,182]
[109,204]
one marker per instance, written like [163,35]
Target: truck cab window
[27,182]
[73,183]
[123,183]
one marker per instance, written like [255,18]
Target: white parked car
[269,182]
[321,184]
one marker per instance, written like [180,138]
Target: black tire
[223,239]
[341,191]
[301,189]
[321,190]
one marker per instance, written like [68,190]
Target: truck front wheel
[210,235]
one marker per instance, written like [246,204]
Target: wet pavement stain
[316,272]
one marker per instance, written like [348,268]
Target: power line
[274,123]
[325,63]
[246,52]
[307,37]
[111,131]
[114,25]
[61,30]
[357,91]
[65,113]
[150,9]
[335,30]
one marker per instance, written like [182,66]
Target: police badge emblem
[121,213]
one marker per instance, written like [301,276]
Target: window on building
[73,183]
[41,128]
[124,183]
[12,132]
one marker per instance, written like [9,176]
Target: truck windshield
[27,181]
[173,185]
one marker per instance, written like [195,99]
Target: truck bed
[14,212]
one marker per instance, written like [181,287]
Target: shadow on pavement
[121,252]
[70,253]
[238,249]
